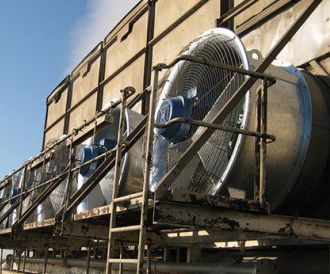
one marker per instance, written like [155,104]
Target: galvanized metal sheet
[310,42]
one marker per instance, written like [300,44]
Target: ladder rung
[128,197]
[123,261]
[125,228]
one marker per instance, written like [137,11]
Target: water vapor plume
[91,28]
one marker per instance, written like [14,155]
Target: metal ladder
[144,194]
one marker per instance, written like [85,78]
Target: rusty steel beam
[201,199]
[176,215]
[34,239]
[85,230]
[234,100]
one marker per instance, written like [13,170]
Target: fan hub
[172,108]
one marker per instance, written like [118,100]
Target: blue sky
[40,42]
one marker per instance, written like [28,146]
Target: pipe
[272,138]
[171,267]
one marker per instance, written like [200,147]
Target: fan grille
[210,88]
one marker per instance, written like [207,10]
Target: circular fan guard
[207,89]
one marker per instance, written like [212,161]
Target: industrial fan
[297,114]
[196,91]
[131,168]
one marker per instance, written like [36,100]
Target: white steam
[91,28]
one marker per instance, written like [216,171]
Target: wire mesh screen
[9,196]
[37,182]
[210,89]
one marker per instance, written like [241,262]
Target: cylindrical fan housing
[298,115]
[131,177]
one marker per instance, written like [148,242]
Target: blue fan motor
[89,152]
[172,108]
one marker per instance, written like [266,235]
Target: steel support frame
[233,221]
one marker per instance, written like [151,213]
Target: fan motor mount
[169,109]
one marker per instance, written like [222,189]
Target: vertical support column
[120,140]
[226,6]
[1,260]
[148,259]
[12,260]
[193,254]
[68,104]
[100,88]
[148,54]
[177,255]
[94,253]
[261,144]
[166,254]
[19,262]
[121,250]
[46,262]
[147,167]
[88,261]
[24,260]
[257,146]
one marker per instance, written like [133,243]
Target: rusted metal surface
[229,220]
[92,213]
[34,225]
[213,201]
[85,230]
